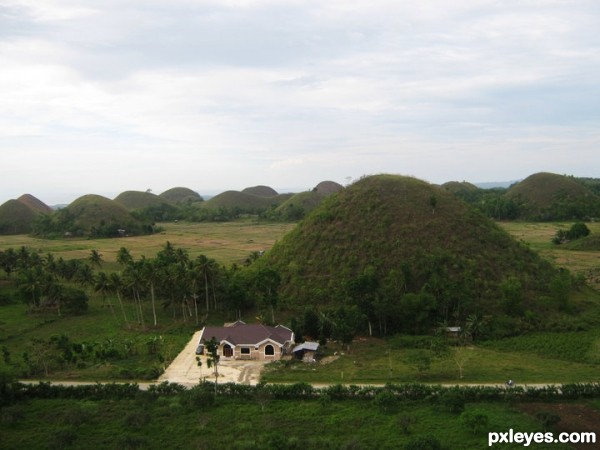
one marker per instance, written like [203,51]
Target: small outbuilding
[307,351]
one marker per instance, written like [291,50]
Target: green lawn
[374,361]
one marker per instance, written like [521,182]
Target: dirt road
[184,369]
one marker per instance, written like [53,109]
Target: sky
[104,96]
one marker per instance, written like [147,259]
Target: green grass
[225,242]
[370,361]
[538,235]
[169,423]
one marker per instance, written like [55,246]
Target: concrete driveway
[184,369]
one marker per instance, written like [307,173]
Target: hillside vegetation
[398,247]
[17,216]
[181,195]
[135,200]
[91,215]
[548,196]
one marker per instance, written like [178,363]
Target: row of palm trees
[172,279]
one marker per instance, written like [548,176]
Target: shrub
[474,420]
[424,443]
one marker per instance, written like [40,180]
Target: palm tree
[124,257]
[134,280]
[103,287]
[96,258]
[116,285]
[150,272]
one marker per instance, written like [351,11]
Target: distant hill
[98,215]
[244,201]
[398,236]
[35,204]
[133,200]
[302,203]
[16,217]
[548,196]
[328,187]
[181,195]
[261,191]
[459,187]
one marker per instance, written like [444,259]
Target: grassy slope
[308,424]
[386,221]
[16,217]
[137,200]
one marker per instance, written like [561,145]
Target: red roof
[248,334]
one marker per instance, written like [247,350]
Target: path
[184,369]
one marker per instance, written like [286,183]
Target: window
[269,350]
[245,350]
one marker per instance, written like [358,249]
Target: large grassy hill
[243,201]
[261,191]
[16,217]
[35,204]
[133,200]
[98,215]
[410,237]
[548,196]
[181,195]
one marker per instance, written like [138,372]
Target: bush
[424,443]
[474,420]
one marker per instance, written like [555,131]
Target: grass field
[378,361]
[538,235]
[229,242]
[174,422]
[369,361]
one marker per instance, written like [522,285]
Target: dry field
[229,242]
[539,236]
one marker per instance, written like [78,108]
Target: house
[250,341]
[453,332]
[307,351]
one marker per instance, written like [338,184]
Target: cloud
[217,93]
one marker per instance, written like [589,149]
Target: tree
[474,420]
[116,286]
[103,287]
[124,257]
[96,258]
[267,283]
[346,321]
[212,360]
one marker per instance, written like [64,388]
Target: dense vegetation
[394,254]
[540,197]
[298,416]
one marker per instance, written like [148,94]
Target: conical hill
[406,236]
[549,196]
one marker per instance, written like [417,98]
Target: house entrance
[227,351]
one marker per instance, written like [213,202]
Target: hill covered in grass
[243,201]
[17,216]
[181,195]
[91,215]
[398,247]
[261,191]
[35,204]
[548,196]
[299,205]
[135,200]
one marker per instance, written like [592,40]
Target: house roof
[240,333]
[310,346]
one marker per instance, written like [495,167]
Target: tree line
[190,288]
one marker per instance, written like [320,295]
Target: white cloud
[213,93]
